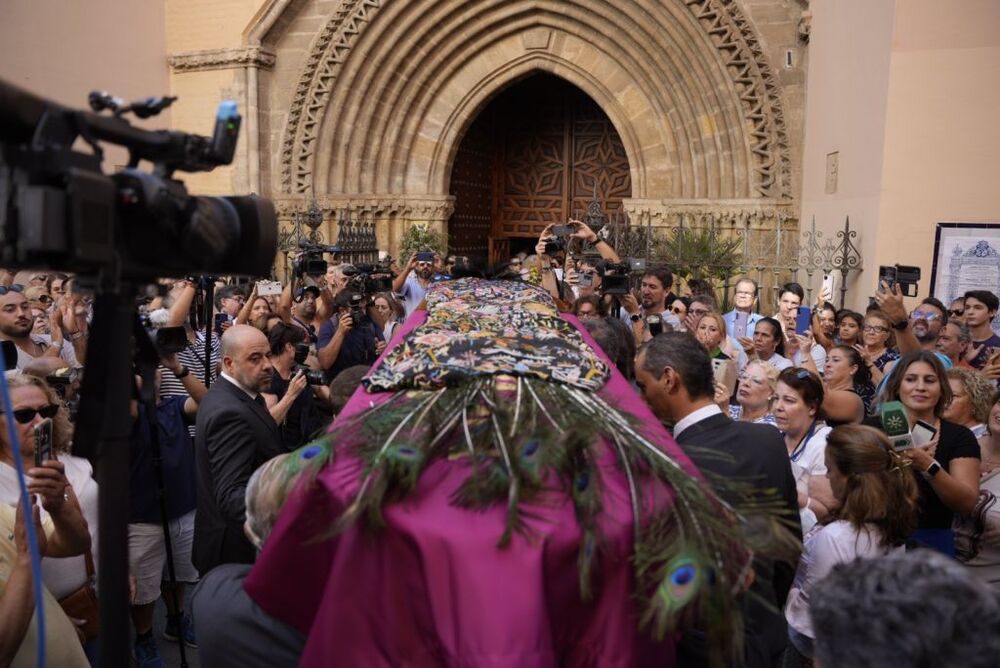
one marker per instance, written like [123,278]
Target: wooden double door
[537,154]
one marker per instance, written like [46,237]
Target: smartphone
[887,275]
[43,441]
[9,355]
[803,320]
[562,230]
[170,340]
[830,284]
[923,433]
[220,319]
[268,288]
[425,257]
[585,280]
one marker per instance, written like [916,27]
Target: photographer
[414,288]
[349,338]
[192,357]
[291,405]
[146,544]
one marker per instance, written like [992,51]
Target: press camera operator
[290,401]
[349,338]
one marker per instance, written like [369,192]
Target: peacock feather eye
[311,451]
[531,447]
[683,582]
[582,480]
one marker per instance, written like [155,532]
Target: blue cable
[36,559]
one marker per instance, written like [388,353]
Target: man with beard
[16,325]
[304,311]
[654,290]
[926,321]
[235,435]
[413,288]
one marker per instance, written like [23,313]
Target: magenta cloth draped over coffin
[433,589]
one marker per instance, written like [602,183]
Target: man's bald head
[244,357]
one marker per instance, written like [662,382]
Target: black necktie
[260,400]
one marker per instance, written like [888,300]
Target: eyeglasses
[17,287]
[26,415]
[759,382]
[958,313]
[741,293]
[875,328]
[924,315]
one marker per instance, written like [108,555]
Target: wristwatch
[635,317]
[901,325]
[932,470]
[183,372]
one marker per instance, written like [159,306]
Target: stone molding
[736,39]
[373,207]
[312,92]
[666,212]
[221,59]
[723,21]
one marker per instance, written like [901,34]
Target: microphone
[896,425]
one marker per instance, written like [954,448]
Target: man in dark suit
[675,376]
[235,435]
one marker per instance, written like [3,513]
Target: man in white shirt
[412,283]
[16,324]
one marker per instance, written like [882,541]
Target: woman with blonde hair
[755,393]
[877,511]
[971,400]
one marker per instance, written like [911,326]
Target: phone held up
[803,320]
[43,441]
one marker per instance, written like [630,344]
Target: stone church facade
[487,119]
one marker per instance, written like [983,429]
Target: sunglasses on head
[26,415]
[4,289]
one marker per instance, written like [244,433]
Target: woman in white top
[878,511]
[977,535]
[61,576]
[798,410]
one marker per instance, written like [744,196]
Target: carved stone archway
[369,99]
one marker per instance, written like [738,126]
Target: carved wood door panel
[550,146]
[472,185]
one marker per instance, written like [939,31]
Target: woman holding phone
[65,478]
[947,468]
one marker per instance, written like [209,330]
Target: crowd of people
[793,409]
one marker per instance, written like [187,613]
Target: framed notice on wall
[966,257]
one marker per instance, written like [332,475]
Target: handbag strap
[89,560]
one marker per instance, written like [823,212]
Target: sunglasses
[26,415]
[4,289]
[678,310]
[924,315]
[957,313]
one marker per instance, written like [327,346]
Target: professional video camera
[370,279]
[312,377]
[59,211]
[310,261]
[615,280]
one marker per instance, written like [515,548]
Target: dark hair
[794,288]
[397,308]
[597,263]
[699,286]
[879,489]
[605,336]
[807,385]
[684,354]
[684,300]
[746,279]
[594,301]
[282,334]
[892,384]
[917,608]
[776,331]
[827,306]
[986,297]
[343,386]
[863,376]
[226,292]
[706,299]
[662,274]
[936,303]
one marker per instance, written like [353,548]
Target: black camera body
[358,314]
[59,211]
[616,277]
[311,261]
[906,276]
[370,279]
[301,354]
